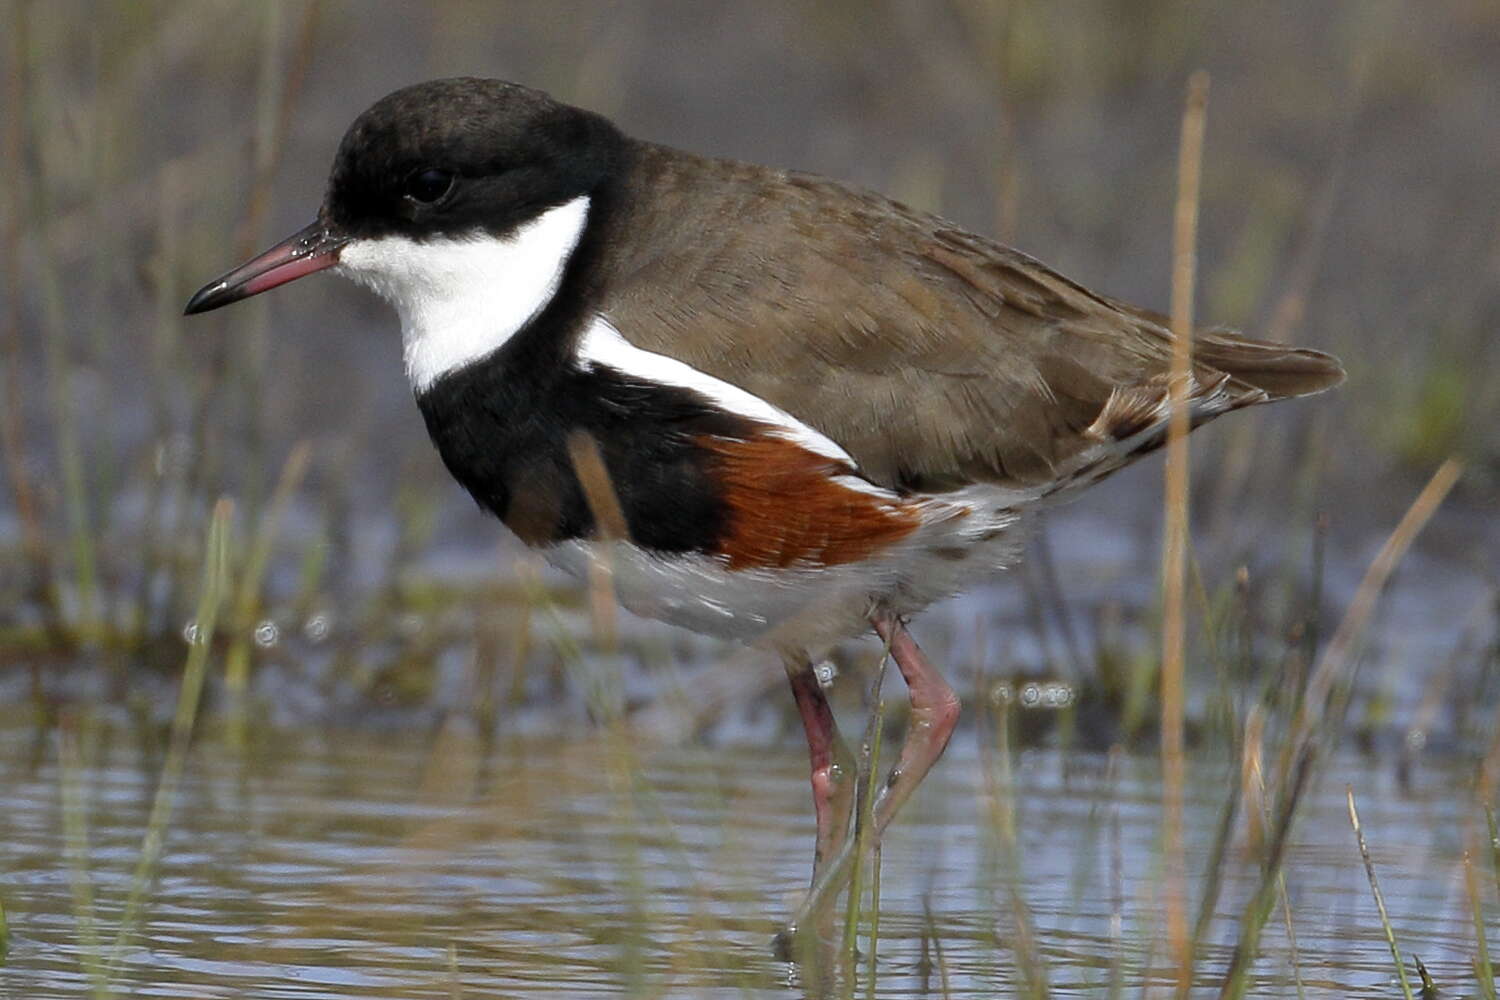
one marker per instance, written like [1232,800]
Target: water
[349,864]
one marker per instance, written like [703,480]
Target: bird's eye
[427,186]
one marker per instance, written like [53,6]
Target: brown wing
[935,357]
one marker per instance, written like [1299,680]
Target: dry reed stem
[267,159]
[1341,648]
[1311,730]
[275,124]
[1257,818]
[12,423]
[1174,555]
[610,527]
[1253,782]
[1484,973]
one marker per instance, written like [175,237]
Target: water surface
[358,864]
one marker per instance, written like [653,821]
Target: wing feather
[937,358]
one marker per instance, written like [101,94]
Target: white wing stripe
[602,344]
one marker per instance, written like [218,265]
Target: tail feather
[1276,369]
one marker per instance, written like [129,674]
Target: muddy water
[341,865]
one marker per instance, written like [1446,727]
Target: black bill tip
[211,296]
[310,249]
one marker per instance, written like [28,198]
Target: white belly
[814,607]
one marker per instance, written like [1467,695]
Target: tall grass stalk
[1483,972]
[54,144]
[70,459]
[279,81]
[1116,878]
[930,933]
[1385,920]
[247,597]
[1214,869]
[871,964]
[13,445]
[209,388]
[1294,957]
[864,825]
[1174,555]
[1494,831]
[195,671]
[1318,719]
[610,528]
[75,819]
[1000,789]
[1252,783]
[165,365]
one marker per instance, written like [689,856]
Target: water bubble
[825,672]
[1000,694]
[1031,694]
[266,634]
[317,627]
[172,455]
[192,634]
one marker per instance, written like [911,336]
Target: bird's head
[426,175]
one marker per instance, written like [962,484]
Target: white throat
[460,299]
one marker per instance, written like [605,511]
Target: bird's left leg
[934,713]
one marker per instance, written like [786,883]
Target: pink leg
[934,713]
[832,764]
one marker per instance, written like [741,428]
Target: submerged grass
[1484,973]
[247,598]
[190,693]
[75,819]
[77,745]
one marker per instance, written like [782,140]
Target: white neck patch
[461,299]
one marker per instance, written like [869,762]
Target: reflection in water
[388,865]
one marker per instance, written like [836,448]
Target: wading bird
[818,410]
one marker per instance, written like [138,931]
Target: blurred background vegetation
[1349,204]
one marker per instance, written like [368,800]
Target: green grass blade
[76,847]
[211,592]
[1385,920]
[1483,972]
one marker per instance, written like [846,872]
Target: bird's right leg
[832,763]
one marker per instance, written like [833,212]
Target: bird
[817,411]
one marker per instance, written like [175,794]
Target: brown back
[935,357]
